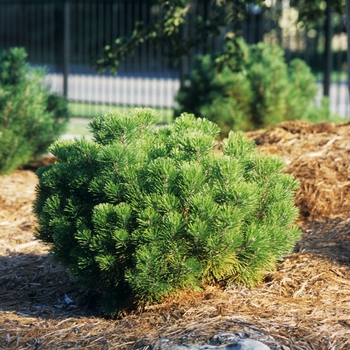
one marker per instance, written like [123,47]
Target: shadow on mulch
[329,239]
[302,305]
[34,286]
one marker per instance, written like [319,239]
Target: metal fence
[67,36]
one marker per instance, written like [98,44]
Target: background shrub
[31,117]
[251,89]
[146,212]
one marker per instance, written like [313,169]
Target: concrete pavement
[154,92]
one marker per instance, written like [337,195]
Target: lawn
[90,110]
[82,113]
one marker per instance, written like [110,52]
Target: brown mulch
[318,155]
[304,304]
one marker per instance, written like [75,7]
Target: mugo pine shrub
[31,117]
[250,87]
[145,212]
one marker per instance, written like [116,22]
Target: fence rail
[66,36]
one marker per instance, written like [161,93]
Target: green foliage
[177,29]
[142,212]
[312,12]
[31,117]
[250,87]
[167,29]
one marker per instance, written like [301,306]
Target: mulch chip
[304,304]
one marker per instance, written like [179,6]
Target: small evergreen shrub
[144,212]
[253,88]
[31,117]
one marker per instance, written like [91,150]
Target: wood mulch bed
[304,304]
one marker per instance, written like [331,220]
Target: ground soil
[304,304]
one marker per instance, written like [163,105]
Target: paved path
[339,99]
[147,92]
[153,92]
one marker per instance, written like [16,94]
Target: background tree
[31,117]
[251,87]
[169,29]
[312,12]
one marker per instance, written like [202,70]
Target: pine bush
[31,117]
[250,87]
[141,212]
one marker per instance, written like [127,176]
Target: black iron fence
[66,36]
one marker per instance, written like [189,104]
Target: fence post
[66,46]
[348,32]
[327,69]
[183,61]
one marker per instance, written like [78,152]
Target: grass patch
[82,113]
[90,110]
[78,127]
[336,77]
